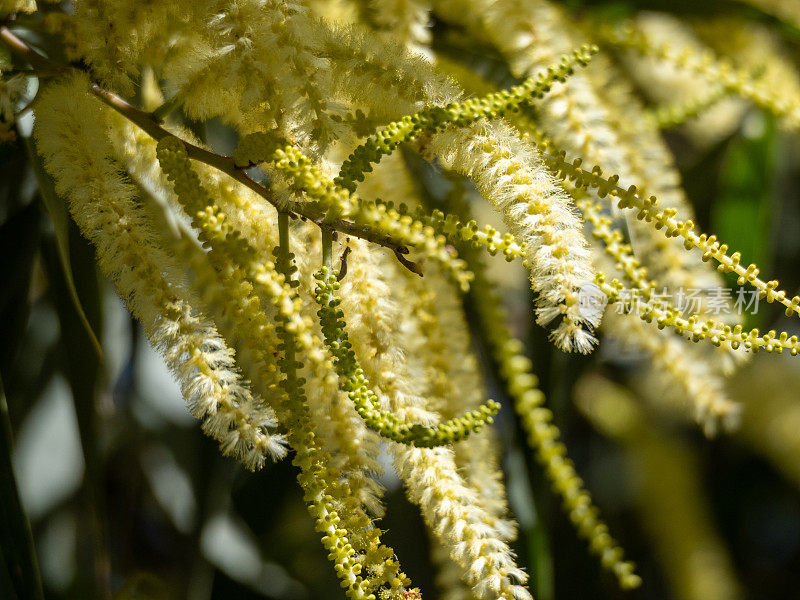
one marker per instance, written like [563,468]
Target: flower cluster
[359,139]
[355,383]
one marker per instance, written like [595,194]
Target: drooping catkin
[448,504]
[104,205]
[512,177]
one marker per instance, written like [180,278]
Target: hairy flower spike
[492,106]
[509,173]
[714,68]
[337,203]
[354,382]
[537,421]
[291,330]
[665,219]
[379,327]
[383,355]
[148,278]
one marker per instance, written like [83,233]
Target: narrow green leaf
[16,541]
[534,533]
[19,241]
[14,195]
[57,209]
[82,370]
[742,212]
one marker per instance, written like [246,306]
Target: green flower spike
[353,380]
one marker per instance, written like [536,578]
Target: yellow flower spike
[443,344]
[715,69]
[337,203]
[148,277]
[321,485]
[434,480]
[492,106]
[236,322]
[353,380]
[674,366]
[543,438]
[695,329]
[278,288]
[614,246]
[537,421]
[648,210]
[537,212]
[629,265]
[488,237]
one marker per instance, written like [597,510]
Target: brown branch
[150,124]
